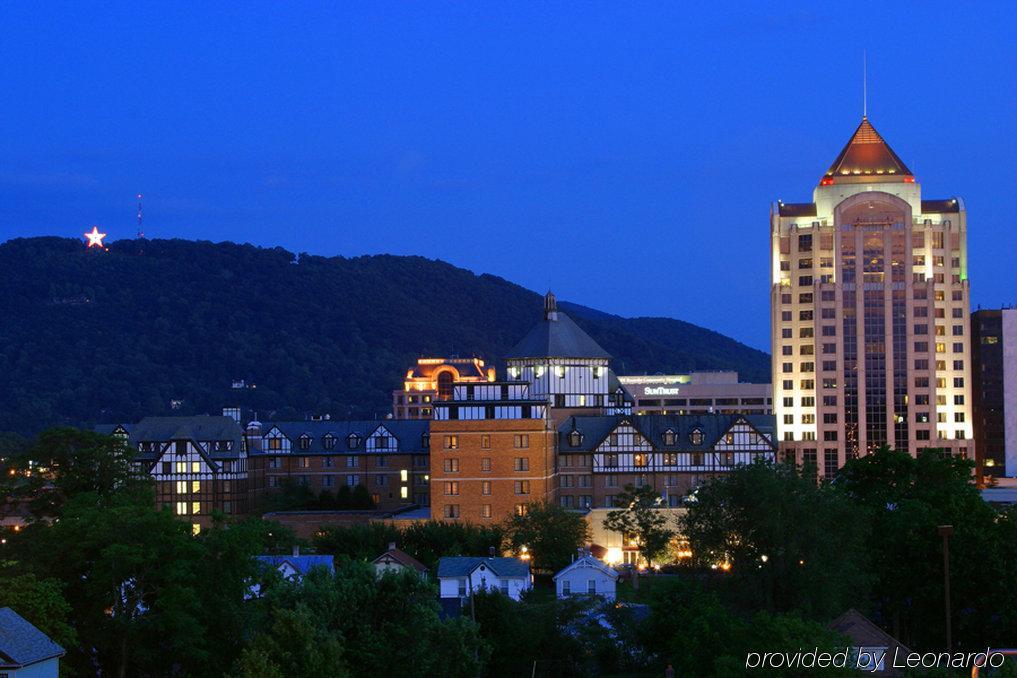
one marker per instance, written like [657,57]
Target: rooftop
[461,566]
[21,644]
[867,155]
[557,336]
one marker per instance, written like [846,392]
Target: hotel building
[994,370]
[697,393]
[431,379]
[870,301]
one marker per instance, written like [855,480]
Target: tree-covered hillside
[90,335]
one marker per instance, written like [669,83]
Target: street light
[946,531]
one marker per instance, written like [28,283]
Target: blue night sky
[624,154]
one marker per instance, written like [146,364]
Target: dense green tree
[361,499]
[116,336]
[42,603]
[905,500]
[791,544]
[638,517]
[295,643]
[551,534]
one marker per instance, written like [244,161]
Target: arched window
[445,386]
[575,439]
[328,441]
[352,441]
[696,436]
[305,442]
[669,437]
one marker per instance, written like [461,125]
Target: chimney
[252,435]
[391,546]
[550,306]
[296,551]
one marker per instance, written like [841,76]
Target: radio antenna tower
[141,228]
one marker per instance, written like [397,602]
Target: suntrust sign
[659,391]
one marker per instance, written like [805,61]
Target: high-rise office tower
[870,313]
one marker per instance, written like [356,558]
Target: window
[452,487]
[195,486]
[328,441]
[522,440]
[275,443]
[566,587]
[591,586]
[195,507]
[181,508]
[452,442]
[485,487]
[520,509]
[640,460]
[381,480]
[195,467]
[485,441]
[181,486]
[452,511]
[696,436]
[521,464]
[522,487]
[303,462]
[485,464]
[305,442]
[352,462]
[352,441]
[610,460]
[451,465]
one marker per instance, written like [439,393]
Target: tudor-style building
[598,456]
[566,367]
[388,457]
[199,464]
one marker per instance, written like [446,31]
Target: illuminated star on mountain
[95,238]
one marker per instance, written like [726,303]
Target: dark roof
[408,432]
[302,564]
[595,429]
[461,566]
[21,644]
[951,206]
[556,336]
[797,209]
[198,428]
[865,154]
[863,632]
[402,558]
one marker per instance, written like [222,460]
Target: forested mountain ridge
[93,335]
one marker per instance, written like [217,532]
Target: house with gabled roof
[397,560]
[25,651]
[586,576]
[459,576]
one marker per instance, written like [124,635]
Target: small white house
[586,576]
[458,576]
[25,651]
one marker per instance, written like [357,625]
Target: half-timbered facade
[199,464]
[388,457]
[599,456]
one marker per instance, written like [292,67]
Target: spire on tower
[550,306]
[865,85]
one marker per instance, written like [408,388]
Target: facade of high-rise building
[994,371]
[696,393]
[870,300]
[431,379]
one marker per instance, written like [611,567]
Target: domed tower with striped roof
[870,298]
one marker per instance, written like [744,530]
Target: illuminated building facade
[565,367]
[599,455]
[388,457]
[994,369]
[696,393]
[199,464]
[431,379]
[870,301]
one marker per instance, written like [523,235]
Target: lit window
[696,436]
[181,467]
[195,507]
[195,486]
[195,467]
[181,486]
[404,492]
[181,508]
[195,529]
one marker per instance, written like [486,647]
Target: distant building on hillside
[25,650]
[994,369]
[431,379]
[697,393]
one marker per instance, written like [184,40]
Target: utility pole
[945,531]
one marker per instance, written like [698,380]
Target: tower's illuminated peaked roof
[867,155]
